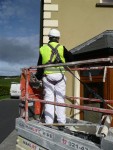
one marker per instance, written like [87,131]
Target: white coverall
[54,93]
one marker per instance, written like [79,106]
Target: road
[8,113]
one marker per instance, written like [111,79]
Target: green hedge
[4,90]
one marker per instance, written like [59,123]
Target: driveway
[9,110]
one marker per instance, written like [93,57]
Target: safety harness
[54,52]
[57,60]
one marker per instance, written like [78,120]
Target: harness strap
[55,82]
[58,59]
[54,52]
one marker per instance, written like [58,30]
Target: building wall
[78,21]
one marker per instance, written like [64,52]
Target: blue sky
[19,35]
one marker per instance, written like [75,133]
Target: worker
[54,80]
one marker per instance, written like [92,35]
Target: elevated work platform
[37,136]
[76,134]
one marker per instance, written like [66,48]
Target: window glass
[92,72]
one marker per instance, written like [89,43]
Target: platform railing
[76,66]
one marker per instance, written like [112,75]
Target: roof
[101,41]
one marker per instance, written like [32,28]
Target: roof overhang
[103,41]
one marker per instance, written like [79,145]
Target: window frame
[104,3]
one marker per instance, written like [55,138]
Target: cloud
[19,16]
[18,8]
[19,34]
[19,52]
[6,69]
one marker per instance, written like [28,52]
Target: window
[87,73]
[105,3]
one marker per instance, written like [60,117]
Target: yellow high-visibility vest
[46,52]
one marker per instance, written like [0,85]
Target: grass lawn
[4,97]
[7,81]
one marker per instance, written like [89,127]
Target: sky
[19,35]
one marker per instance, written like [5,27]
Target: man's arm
[40,71]
[39,60]
[68,55]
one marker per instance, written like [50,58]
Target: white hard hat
[54,33]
